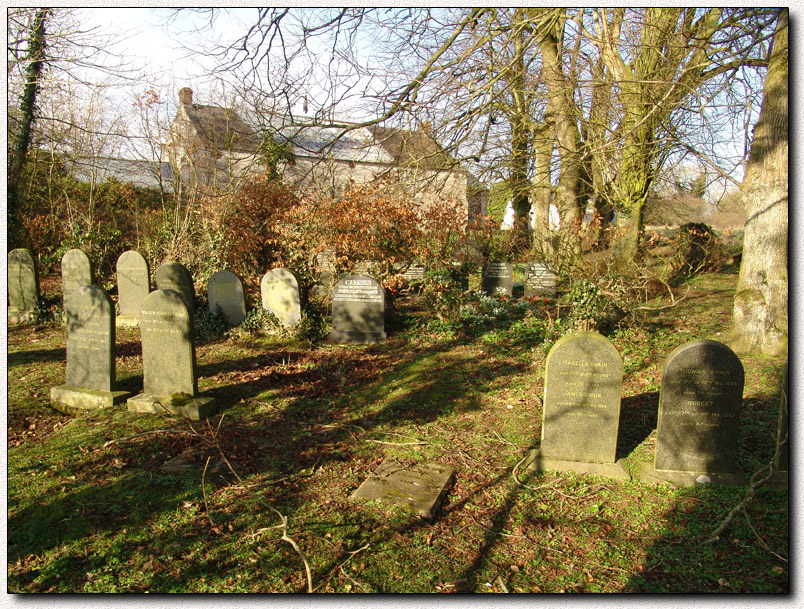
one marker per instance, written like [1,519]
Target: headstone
[90,354]
[497,278]
[168,360]
[581,407]
[539,281]
[421,487]
[225,295]
[133,285]
[75,272]
[699,416]
[23,286]
[175,276]
[358,311]
[326,262]
[280,296]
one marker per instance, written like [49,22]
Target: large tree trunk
[760,304]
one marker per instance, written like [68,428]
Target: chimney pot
[186,95]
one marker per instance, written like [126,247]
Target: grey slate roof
[141,174]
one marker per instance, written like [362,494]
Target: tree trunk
[760,304]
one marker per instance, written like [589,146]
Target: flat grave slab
[422,486]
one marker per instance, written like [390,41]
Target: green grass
[90,510]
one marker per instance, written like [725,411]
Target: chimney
[186,96]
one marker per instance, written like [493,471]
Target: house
[214,149]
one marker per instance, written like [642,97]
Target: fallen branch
[287,538]
[157,431]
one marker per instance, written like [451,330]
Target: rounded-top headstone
[280,296]
[175,276]
[225,295]
[133,282]
[23,281]
[90,339]
[75,271]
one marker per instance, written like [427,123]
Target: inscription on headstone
[699,415]
[90,353]
[168,359]
[358,311]
[581,407]
[175,276]
[225,294]
[280,296]
[497,278]
[23,286]
[75,272]
[539,280]
[133,285]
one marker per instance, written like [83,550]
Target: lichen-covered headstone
[539,281]
[175,276]
[133,285]
[225,295]
[358,311]
[76,271]
[23,286]
[168,359]
[497,278]
[280,296]
[699,416]
[90,353]
[581,407]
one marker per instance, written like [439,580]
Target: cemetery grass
[267,495]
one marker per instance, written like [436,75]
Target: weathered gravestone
[699,416]
[326,262]
[581,407]
[175,276]
[168,360]
[225,295]
[280,296]
[358,311]
[497,278]
[76,271]
[90,354]
[539,280]
[133,285]
[420,487]
[23,286]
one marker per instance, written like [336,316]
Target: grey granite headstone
[358,311]
[280,296]
[421,487]
[225,294]
[581,407]
[23,286]
[699,416]
[75,272]
[90,354]
[539,280]
[175,276]
[133,285]
[497,278]
[168,360]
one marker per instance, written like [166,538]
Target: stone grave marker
[90,354]
[280,296]
[23,286]
[358,311]
[326,262]
[581,407]
[133,285]
[699,416]
[225,295]
[168,360]
[539,281]
[175,276]
[497,278]
[75,272]
[421,487]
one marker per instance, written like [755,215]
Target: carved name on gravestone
[358,311]
[280,296]
[226,297]
[75,272]
[420,487]
[133,285]
[175,276]
[497,278]
[168,360]
[539,280]
[581,407]
[90,354]
[699,416]
[23,286]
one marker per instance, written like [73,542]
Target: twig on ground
[287,538]
[154,432]
[204,491]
